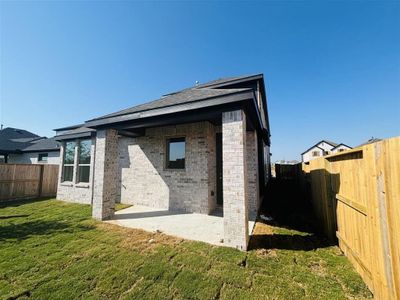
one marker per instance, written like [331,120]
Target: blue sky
[332,69]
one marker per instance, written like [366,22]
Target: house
[18,146]
[194,150]
[323,148]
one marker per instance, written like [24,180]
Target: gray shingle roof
[42,145]
[15,140]
[330,143]
[185,96]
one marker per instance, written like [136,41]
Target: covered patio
[192,226]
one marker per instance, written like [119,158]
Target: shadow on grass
[13,216]
[38,228]
[288,242]
[288,209]
[16,203]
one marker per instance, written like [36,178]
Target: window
[326,152]
[84,160]
[43,157]
[315,153]
[69,159]
[176,153]
[341,150]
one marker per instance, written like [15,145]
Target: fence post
[12,187]
[382,212]
[40,188]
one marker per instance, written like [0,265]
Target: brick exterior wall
[105,174]
[132,170]
[144,179]
[253,193]
[236,228]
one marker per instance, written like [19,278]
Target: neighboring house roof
[322,141]
[14,140]
[43,145]
[370,141]
[341,144]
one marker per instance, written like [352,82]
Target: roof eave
[73,136]
[41,150]
[68,127]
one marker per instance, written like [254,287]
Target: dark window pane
[176,153]
[84,151]
[69,152]
[43,156]
[67,173]
[83,173]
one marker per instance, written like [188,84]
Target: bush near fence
[22,181]
[356,198]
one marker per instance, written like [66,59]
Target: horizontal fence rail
[22,181]
[356,198]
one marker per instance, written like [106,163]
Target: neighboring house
[323,148]
[340,148]
[193,151]
[18,146]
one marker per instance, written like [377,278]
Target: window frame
[174,139]
[315,153]
[41,155]
[85,164]
[68,165]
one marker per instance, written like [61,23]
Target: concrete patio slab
[191,226]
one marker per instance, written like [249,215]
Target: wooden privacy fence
[356,198]
[19,181]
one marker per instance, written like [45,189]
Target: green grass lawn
[53,250]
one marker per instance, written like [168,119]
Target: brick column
[236,225]
[253,192]
[105,174]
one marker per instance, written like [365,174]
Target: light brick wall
[105,174]
[236,230]
[144,180]
[252,174]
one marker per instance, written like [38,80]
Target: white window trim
[83,183]
[75,166]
